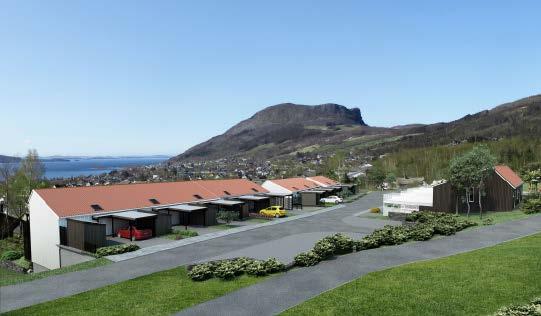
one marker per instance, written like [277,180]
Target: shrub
[342,243]
[531,206]
[488,221]
[10,255]
[201,272]
[115,250]
[187,233]
[226,270]
[227,216]
[533,309]
[368,242]
[23,263]
[390,235]
[324,249]
[243,262]
[306,259]
[421,232]
[375,210]
[257,268]
[272,265]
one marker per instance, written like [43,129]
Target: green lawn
[160,293]
[473,283]
[498,217]
[8,277]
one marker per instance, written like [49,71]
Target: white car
[331,199]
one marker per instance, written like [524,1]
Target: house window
[471,195]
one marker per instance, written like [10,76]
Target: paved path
[30,293]
[282,292]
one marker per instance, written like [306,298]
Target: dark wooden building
[502,192]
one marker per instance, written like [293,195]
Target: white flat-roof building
[407,201]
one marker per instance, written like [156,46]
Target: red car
[135,234]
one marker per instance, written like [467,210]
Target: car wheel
[277,215]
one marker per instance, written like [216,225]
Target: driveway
[30,293]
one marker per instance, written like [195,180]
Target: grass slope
[160,293]
[498,217]
[8,277]
[473,283]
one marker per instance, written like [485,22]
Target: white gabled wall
[274,188]
[44,233]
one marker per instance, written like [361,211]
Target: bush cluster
[533,309]
[10,255]
[306,259]
[531,206]
[231,268]
[115,250]
[423,226]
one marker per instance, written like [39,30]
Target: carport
[141,220]
[281,199]
[229,206]
[255,203]
[187,214]
[311,198]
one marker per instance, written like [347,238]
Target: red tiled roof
[509,175]
[295,184]
[323,180]
[66,202]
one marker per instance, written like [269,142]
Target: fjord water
[92,166]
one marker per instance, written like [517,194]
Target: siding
[86,236]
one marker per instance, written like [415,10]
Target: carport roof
[314,191]
[185,208]
[129,215]
[225,202]
[253,197]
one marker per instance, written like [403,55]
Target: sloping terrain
[292,128]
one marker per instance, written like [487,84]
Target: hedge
[230,268]
[534,309]
[421,226]
[116,250]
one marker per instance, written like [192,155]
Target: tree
[470,171]
[376,176]
[227,216]
[8,224]
[533,178]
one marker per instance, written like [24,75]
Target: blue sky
[156,77]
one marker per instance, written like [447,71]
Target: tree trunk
[480,206]
[468,201]
[456,204]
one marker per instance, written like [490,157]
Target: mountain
[286,129]
[282,129]
[9,159]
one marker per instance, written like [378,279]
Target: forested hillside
[432,162]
